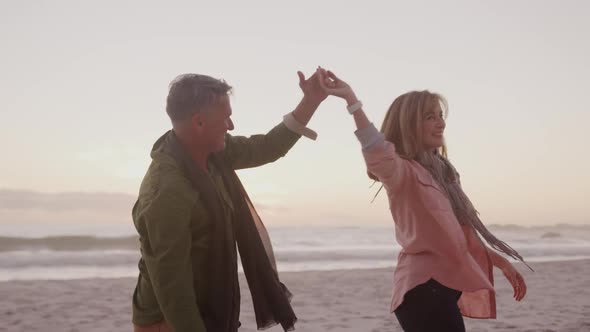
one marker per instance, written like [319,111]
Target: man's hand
[312,90]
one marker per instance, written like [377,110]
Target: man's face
[216,123]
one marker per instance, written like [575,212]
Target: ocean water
[99,251]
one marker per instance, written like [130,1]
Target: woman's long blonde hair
[402,124]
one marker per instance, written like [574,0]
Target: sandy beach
[350,300]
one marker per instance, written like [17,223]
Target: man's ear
[197,121]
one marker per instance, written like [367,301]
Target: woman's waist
[459,273]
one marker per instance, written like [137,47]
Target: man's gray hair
[193,93]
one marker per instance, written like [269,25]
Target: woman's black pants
[430,307]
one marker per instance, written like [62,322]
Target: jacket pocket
[431,193]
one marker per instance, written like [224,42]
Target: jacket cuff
[369,137]
[295,126]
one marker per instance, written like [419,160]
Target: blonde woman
[444,270]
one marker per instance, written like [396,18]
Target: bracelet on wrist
[354,107]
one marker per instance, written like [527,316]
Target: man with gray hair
[192,213]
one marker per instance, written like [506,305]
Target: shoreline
[133,274]
[558,300]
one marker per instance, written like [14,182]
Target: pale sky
[83,88]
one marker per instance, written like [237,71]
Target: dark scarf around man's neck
[270,297]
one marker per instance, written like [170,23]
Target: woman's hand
[515,279]
[334,86]
[513,276]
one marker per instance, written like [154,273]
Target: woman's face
[433,127]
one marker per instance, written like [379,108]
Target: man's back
[166,216]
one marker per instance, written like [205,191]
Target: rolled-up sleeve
[381,158]
[295,126]
[369,137]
